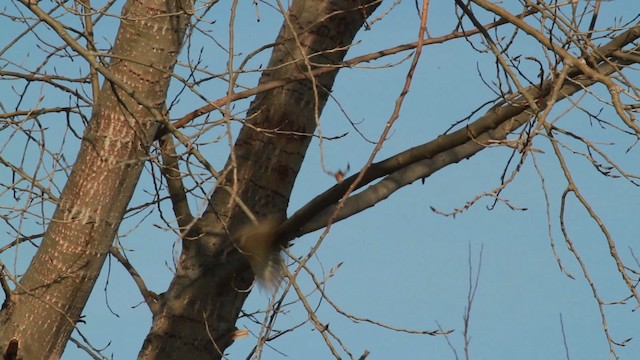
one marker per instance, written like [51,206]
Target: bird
[258,242]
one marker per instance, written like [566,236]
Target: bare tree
[118,99]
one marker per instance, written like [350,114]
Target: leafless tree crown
[113,139]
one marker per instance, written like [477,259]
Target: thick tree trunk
[48,301]
[197,314]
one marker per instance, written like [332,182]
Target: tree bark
[48,300]
[197,314]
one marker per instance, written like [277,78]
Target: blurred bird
[258,242]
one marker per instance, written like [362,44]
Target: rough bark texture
[197,314]
[49,298]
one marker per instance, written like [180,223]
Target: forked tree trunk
[48,301]
[197,315]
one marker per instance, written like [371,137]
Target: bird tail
[258,243]
[269,272]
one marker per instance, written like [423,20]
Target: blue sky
[402,264]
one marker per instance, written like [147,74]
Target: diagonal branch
[150,298]
[175,187]
[568,59]
[423,160]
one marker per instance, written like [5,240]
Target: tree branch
[171,171]
[150,298]
[423,160]
[274,84]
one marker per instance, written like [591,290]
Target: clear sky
[402,264]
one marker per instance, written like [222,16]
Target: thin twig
[150,298]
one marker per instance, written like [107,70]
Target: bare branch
[177,193]
[422,161]
[150,298]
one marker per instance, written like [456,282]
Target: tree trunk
[197,314]
[48,301]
